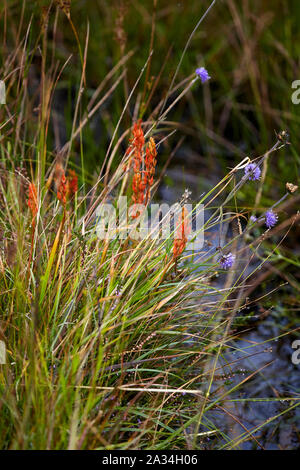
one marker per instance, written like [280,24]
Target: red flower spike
[62,190]
[32,201]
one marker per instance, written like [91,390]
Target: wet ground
[274,384]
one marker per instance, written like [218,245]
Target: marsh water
[274,383]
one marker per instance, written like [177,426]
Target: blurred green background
[250,48]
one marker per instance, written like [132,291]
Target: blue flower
[202,74]
[253,218]
[253,171]
[271,219]
[227,261]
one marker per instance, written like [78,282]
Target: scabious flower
[253,171]
[227,261]
[271,218]
[202,74]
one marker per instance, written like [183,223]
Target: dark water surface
[275,383]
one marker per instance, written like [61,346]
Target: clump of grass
[111,343]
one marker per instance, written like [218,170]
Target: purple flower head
[253,218]
[253,171]
[202,74]
[271,219]
[227,261]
